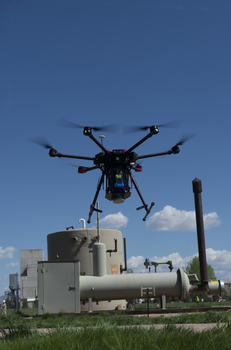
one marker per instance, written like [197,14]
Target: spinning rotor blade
[68,124]
[131,129]
[72,165]
[184,139]
[175,149]
[41,141]
[53,152]
[82,166]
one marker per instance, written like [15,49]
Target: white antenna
[101,137]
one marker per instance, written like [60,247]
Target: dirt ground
[194,327]
[200,327]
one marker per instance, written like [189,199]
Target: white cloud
[172,219]
[219,260]
[114,221]
[136,262]
[211,220]
[7,253]
[12,264]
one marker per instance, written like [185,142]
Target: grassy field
[101,332]
[110,338]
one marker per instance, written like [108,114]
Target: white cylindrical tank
[99,259]
[77,244]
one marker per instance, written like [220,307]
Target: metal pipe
[84,222]
[125,258]
[197,189]
[129,286]
[213,288]
[150,263]
[111,250]
[98,229]
[125,255]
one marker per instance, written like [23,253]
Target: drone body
[116,166]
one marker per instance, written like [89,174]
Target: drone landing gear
[92,207]
[144,206]
[147,209]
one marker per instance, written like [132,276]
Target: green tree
[8,303]
[193,266]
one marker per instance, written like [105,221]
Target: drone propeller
[72,165]
[41,141]
[185,138]
[68,124]
[131,129]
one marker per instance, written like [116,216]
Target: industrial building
[29,275]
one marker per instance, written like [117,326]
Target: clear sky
[130,62]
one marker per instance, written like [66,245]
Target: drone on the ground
[115,165]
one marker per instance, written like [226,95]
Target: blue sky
[128,62]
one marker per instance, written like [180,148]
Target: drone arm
[139,143]
[85,169]
[91,168]
[54,153]
[75,157]
[92,207]
[173,150]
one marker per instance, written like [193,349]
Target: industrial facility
[86,271]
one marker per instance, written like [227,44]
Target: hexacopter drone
[115,165]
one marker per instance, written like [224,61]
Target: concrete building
[29,274]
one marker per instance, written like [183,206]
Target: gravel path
[192,326]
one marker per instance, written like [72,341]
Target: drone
[116,165]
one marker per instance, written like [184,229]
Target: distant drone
[115,165]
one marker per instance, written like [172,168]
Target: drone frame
[128,157]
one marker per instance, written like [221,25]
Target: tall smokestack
[197,189]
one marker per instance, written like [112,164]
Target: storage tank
[77,244]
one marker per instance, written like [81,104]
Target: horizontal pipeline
[130,286]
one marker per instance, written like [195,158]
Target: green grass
[108,337]
[23,334]
[62,320]
[183,305]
